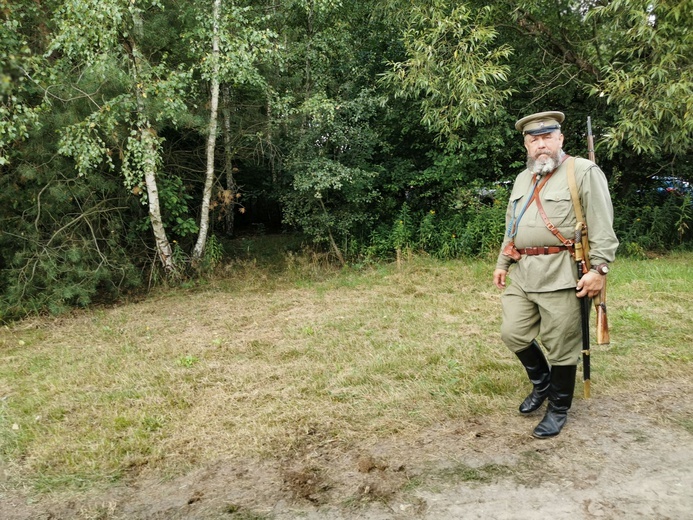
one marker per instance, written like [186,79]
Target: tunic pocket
[515,196]
[558,206]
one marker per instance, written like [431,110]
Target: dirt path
[618,458]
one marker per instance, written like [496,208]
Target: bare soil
[619,457]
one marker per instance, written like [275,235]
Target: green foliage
[187,361]
[468,227]
[649,78]
[652,222]
[244,39]
[214,252]
[452,65]
[69,248]
[484,228]
[333,181]
[83,142]
[403,230]
[685,217]
[20,108]
[89,28]
[329,197]
[175,211]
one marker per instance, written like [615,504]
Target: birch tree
[148,146]
[212,135]
[230,45]
[101,40]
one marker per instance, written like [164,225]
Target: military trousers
[551,317]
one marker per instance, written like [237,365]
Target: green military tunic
[541,300]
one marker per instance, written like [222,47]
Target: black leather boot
[560,398]
[539,374]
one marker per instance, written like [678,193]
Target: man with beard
[542,300]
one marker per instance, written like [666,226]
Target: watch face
[603,269]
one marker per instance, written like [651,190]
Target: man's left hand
[590,285]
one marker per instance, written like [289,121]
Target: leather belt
[543,250]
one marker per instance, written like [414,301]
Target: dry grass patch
[261,364]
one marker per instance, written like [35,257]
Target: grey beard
[542,166]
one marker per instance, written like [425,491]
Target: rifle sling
[572,184]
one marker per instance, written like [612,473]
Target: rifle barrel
[590,141]
[585,325]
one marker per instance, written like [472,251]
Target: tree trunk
[230,201]
[150,158]
[163,246]
[211,139]
[334,245]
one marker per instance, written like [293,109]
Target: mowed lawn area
[250,362]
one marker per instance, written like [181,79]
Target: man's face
[543,151]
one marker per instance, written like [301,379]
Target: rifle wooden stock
[603,337]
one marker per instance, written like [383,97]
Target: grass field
[256,360]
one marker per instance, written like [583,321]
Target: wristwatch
[602,269]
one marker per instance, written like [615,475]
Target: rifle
[580,260]
[603,337]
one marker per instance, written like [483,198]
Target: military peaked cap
[540,123]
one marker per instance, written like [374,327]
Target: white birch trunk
[211,139]
[150,159]
[163,246]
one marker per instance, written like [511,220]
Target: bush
[466,227]
[650,222]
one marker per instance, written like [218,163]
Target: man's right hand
[499,278]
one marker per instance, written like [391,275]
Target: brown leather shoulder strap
[551,227]
[535,195]
[540,209]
